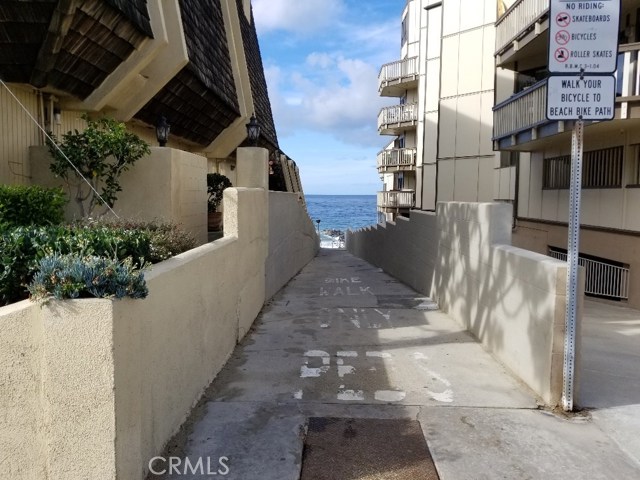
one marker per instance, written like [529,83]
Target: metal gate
[602,279]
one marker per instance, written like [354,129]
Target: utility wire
[58,148]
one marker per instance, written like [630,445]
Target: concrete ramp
[376,382]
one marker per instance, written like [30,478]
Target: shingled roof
[201,101]
[136,12]
[259,91]
[70,45]
[23,27]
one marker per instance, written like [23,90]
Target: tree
[100,153]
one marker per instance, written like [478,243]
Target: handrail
[398,69]
[407,112]
[396,199]
[397,157]
[520,112]
[523,14]
[524,92]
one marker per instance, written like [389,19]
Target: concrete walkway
[345,340]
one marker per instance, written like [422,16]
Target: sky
[321,60]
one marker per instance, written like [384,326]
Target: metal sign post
[573,249]
[583,48]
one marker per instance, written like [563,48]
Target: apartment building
[540,150]
[195,62]
[441,127]
[471,125]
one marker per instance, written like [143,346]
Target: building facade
[441,150]
[195,62]
[610,226]
[471,126]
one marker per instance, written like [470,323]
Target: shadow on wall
[511,299]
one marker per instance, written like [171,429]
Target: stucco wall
[512,300]
[79,374]
[293,241]
[95,388]
[405,249]
[22,441]
[168,185]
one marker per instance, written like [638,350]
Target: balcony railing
[628,72]
[396,116]
[396,199]
[519,18]
[396,72]
[396,158]
[526,109]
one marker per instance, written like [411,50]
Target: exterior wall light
[57,115]
[162,131]
[253,130]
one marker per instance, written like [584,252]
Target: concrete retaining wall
[95,388]
[293,241]
[511,299]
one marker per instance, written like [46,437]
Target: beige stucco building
[442,148]
[471,126]
[541,149]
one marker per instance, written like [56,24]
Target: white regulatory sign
[573,98]
[583,36]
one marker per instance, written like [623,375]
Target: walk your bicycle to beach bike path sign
[583,51]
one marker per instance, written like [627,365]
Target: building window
[509,159]
[403,31]
[400,181]
[600,169]
[635,166]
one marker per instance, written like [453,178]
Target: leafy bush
[216,184]
[101,153]
[22,205]
[22,248]
[75,276]
[167,239]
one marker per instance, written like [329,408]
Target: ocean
[341,212]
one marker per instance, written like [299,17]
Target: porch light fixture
[162,131]
[57,115]
[253,130]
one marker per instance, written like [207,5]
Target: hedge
[22,205]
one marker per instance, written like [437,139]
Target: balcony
[397,159]
[521,33]
[521,119]
[397,119]
[397,77]
[396,199]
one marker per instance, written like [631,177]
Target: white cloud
[300,16]
[328,81]
[329,93]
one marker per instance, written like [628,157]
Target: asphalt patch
[366,449]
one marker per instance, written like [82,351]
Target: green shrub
[167,239]
[216,184]
[22,205]
[22,248]
[75,276]
[101,153]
